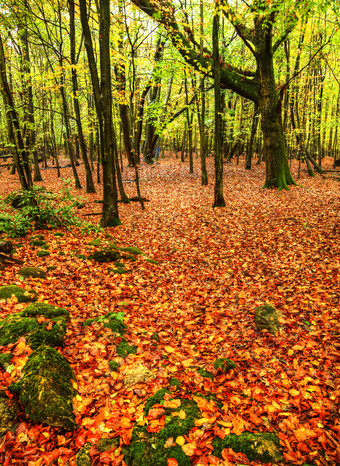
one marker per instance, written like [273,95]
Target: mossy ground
[147,448]
[112,320]
[224,364]
[23,296]
[33,272]
[262,446]
[43,253]
[46,388]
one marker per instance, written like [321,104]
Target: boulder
[23,296]
[267,318]
[8,413]
[33,272]
[46,390]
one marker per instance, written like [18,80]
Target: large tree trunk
[274,144]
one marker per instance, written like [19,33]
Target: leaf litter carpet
[215,266]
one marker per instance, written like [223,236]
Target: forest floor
[215,266]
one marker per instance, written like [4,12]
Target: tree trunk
[219,199]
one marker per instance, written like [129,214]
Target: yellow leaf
[290,352]
[189,449]
[200,422]
[294,392]
[169,349]
[180,440]
[187,362]
[172,403]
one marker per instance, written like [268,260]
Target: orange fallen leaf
[172,403]
[189,449]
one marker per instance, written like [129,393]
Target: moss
[205,373]
[37,237]
[43,253]
[8,414]
[120,271]
[94,242]
[38,242]
[15,387]
[131,250]
[147,449]
[123,349]
[151,261]
[224,364]
[130,258]
[45,247]
[112,320]
[47,391]
[83,457]
[61,253]
[114,366]
[81,256]
[262,446]
[155,337]
[104,255]
[47,310]
[59,234]
[22,295]
[5,359]
[175,382]
[107,444]
[25,323]
[119,264]
[33,272]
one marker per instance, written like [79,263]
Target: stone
[267,318]
[33,272]
[23,296]
[8,413]
[46,390]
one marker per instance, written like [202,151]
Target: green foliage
[38,209]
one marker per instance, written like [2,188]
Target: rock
[5,359]
[261,446]
[24,296]
[107,444]
[50,329]
[8,414]
[104,255]
[267,317]
[33,272]
[46,389]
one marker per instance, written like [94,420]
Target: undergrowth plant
[38,209]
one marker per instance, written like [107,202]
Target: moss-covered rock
[131,250]
[94,242]
[148,448]
[267,318]
[104,255]
[262,446]
[206,374]
[47,310]
[224,364]
[47,332]
[43,253]
[33,272]
[59,234]
[23,296]
[8,414]
[38,242]
[46,389]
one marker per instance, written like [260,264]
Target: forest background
[206,103]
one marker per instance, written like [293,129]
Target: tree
[258,85]
[102,92]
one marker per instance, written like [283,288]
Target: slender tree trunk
[219,199]
[89,180]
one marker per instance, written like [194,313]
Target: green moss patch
[5,359]
[43,253]
[26,323]
[22,295]
[59,234]
[107,444]
[206,374]
[94,242]
[8,414]
[224,364]
[131,250]
[104,255]
[114,366]
[123,348]
[151,261]
[148,448]
[46,389]
[33,272]
[38,242]
[262,446]
[83,457]
[112,320]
